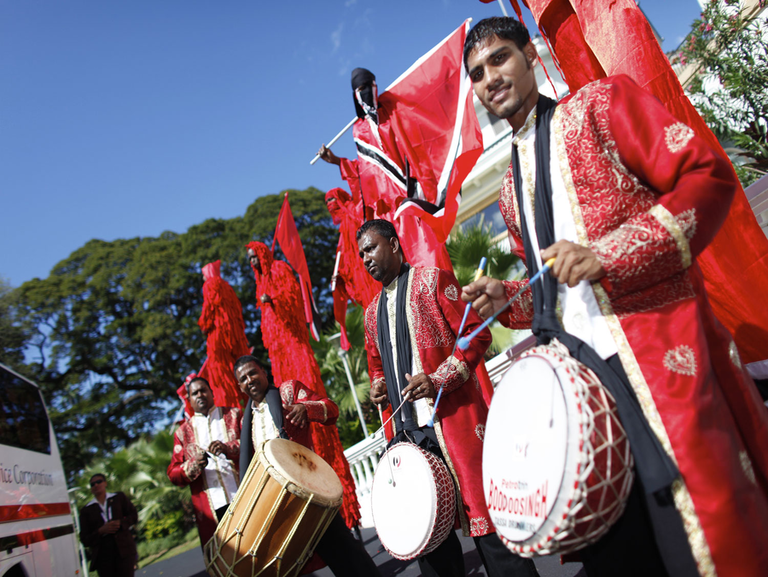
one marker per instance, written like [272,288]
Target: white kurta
[220,477]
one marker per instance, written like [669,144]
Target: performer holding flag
[416,145]
[625,197]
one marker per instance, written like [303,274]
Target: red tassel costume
[222,322]
[286,337]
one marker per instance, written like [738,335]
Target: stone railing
[363,458]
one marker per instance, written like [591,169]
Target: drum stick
[478,274]
[463,342]
[335,138]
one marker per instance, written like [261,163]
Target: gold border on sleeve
[669,222]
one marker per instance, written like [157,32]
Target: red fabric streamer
[592,40]
[222,323]
[285,335]
[287,235]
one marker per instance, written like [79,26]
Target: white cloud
[336,37]
[349,3]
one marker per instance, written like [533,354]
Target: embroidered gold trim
[565,170]
[480,431]
[670,223]
[746,465]
[733,352]
[438,427]
[451,293]
[681,360]
[677,136]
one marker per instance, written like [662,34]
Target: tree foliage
[114,326]
[730,48]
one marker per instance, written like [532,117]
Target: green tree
[113,329]
[13,336]
[466,246]
[729,88]
[329,355]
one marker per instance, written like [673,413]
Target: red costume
[353,280]
[184,469]
[286,337]
[647,196]
[434,312]
[592,40]
[222,323]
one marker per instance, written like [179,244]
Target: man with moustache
[206,451]
[285,412]
[625,197]
[410,331]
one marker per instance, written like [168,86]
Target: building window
[489,216]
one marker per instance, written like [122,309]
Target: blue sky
[124,119]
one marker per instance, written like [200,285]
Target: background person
[105,524]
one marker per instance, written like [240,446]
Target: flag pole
[335,138]
[503,10]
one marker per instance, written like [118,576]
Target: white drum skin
[557,468]
[413,501]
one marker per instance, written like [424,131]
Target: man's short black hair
[189,384]
[379,226]
[498,26]
[102,475]
[245,359]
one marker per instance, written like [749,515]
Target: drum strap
[656,469]
[404,351]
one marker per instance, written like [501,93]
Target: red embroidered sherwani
[647,196]
[434,312]
[284,332]
[184,470]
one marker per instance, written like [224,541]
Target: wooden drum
[285,503]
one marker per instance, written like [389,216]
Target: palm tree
[466,246]
[328,355]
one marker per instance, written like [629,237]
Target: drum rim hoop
[294,488]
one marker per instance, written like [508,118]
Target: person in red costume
[624,197]
[421,306]
[206,452]
[224,328]
[286,337]
[382,176]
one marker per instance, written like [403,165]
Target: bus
[37,528]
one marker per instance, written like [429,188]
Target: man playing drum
[625,197]
[285,412]
[417,316]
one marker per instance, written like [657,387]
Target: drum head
[303,468]
[404,500]
[526,452]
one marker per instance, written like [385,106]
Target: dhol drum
[413,501]
[557,467]
[285,503]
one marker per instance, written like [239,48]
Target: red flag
[433,119]
[287,235]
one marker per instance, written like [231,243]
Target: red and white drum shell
[413,501]
[557,467]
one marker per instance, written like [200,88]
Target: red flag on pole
[287,235]
[433,119]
